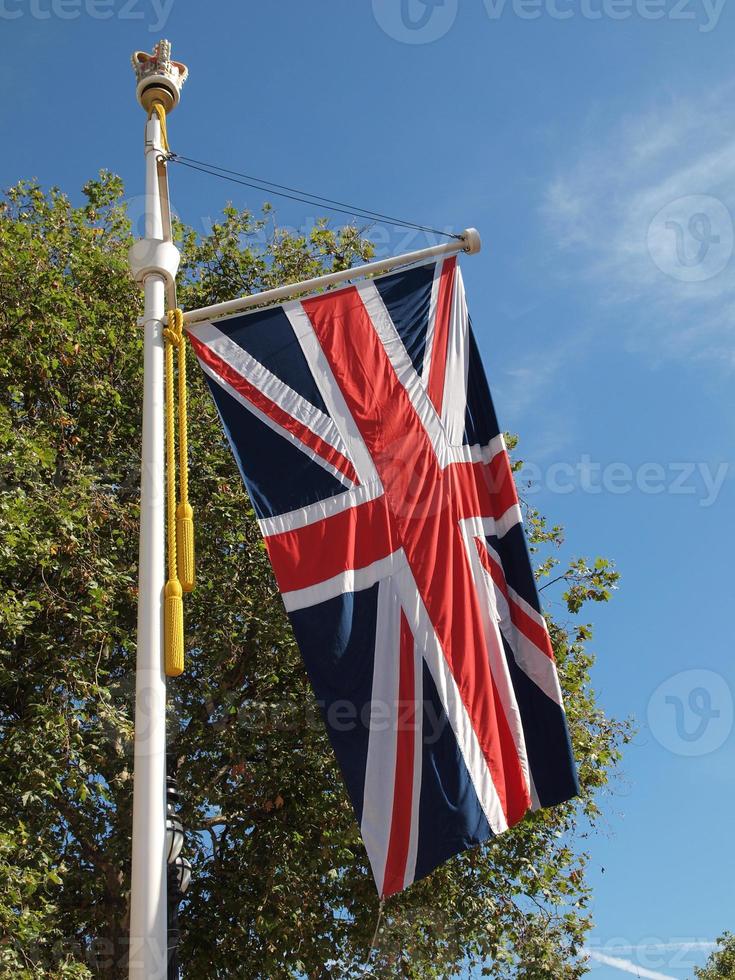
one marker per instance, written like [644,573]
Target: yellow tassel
[157,107]
[180,520]
[173,620]
[185,545]
[173,604]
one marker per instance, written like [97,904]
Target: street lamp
[174,827]
[174,837]
[182,869]
[179,875]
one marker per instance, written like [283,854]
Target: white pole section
[469,241]
[153,262]
[148,930]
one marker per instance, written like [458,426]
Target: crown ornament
[159,78]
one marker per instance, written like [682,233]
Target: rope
[305,197]
[179,519]
[184,512]
[373,942]
[173,612]
[157,107]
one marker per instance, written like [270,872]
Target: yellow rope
[179,520]
[157,107]
[184,512]
[173,617]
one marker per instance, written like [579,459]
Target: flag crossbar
[468,241]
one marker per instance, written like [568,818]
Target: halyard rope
[179,519]
[294,194]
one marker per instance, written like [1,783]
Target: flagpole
[153,262]
[468,241]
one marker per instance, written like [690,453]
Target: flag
[364,430]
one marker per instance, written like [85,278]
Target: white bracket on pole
[154,261]
[150,255]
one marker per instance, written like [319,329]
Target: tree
[721,963]
[281,885]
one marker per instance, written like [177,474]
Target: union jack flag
[365,433]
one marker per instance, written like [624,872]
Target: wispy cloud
[620,962]
[524,384]
[628,966]
[644,217]
[675,947]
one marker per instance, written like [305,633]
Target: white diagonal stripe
[454,401]
[320,509]
[357,452]
[418,763]
[351,580]
[451,700]
[269,384]
[431,322]
[380,770]
[498,664]
[272,424]
[535,663]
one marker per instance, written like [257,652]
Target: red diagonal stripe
[422,502]
[440,342]
[268,407]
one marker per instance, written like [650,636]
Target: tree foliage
[281,885]
[721,963]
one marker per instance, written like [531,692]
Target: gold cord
[179,519]
[173,617]
[184,512]
[157,107]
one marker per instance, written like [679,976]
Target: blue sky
[591,142]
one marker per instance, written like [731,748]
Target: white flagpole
[468,241]
[153,262]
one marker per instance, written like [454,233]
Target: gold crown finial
[159,78]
